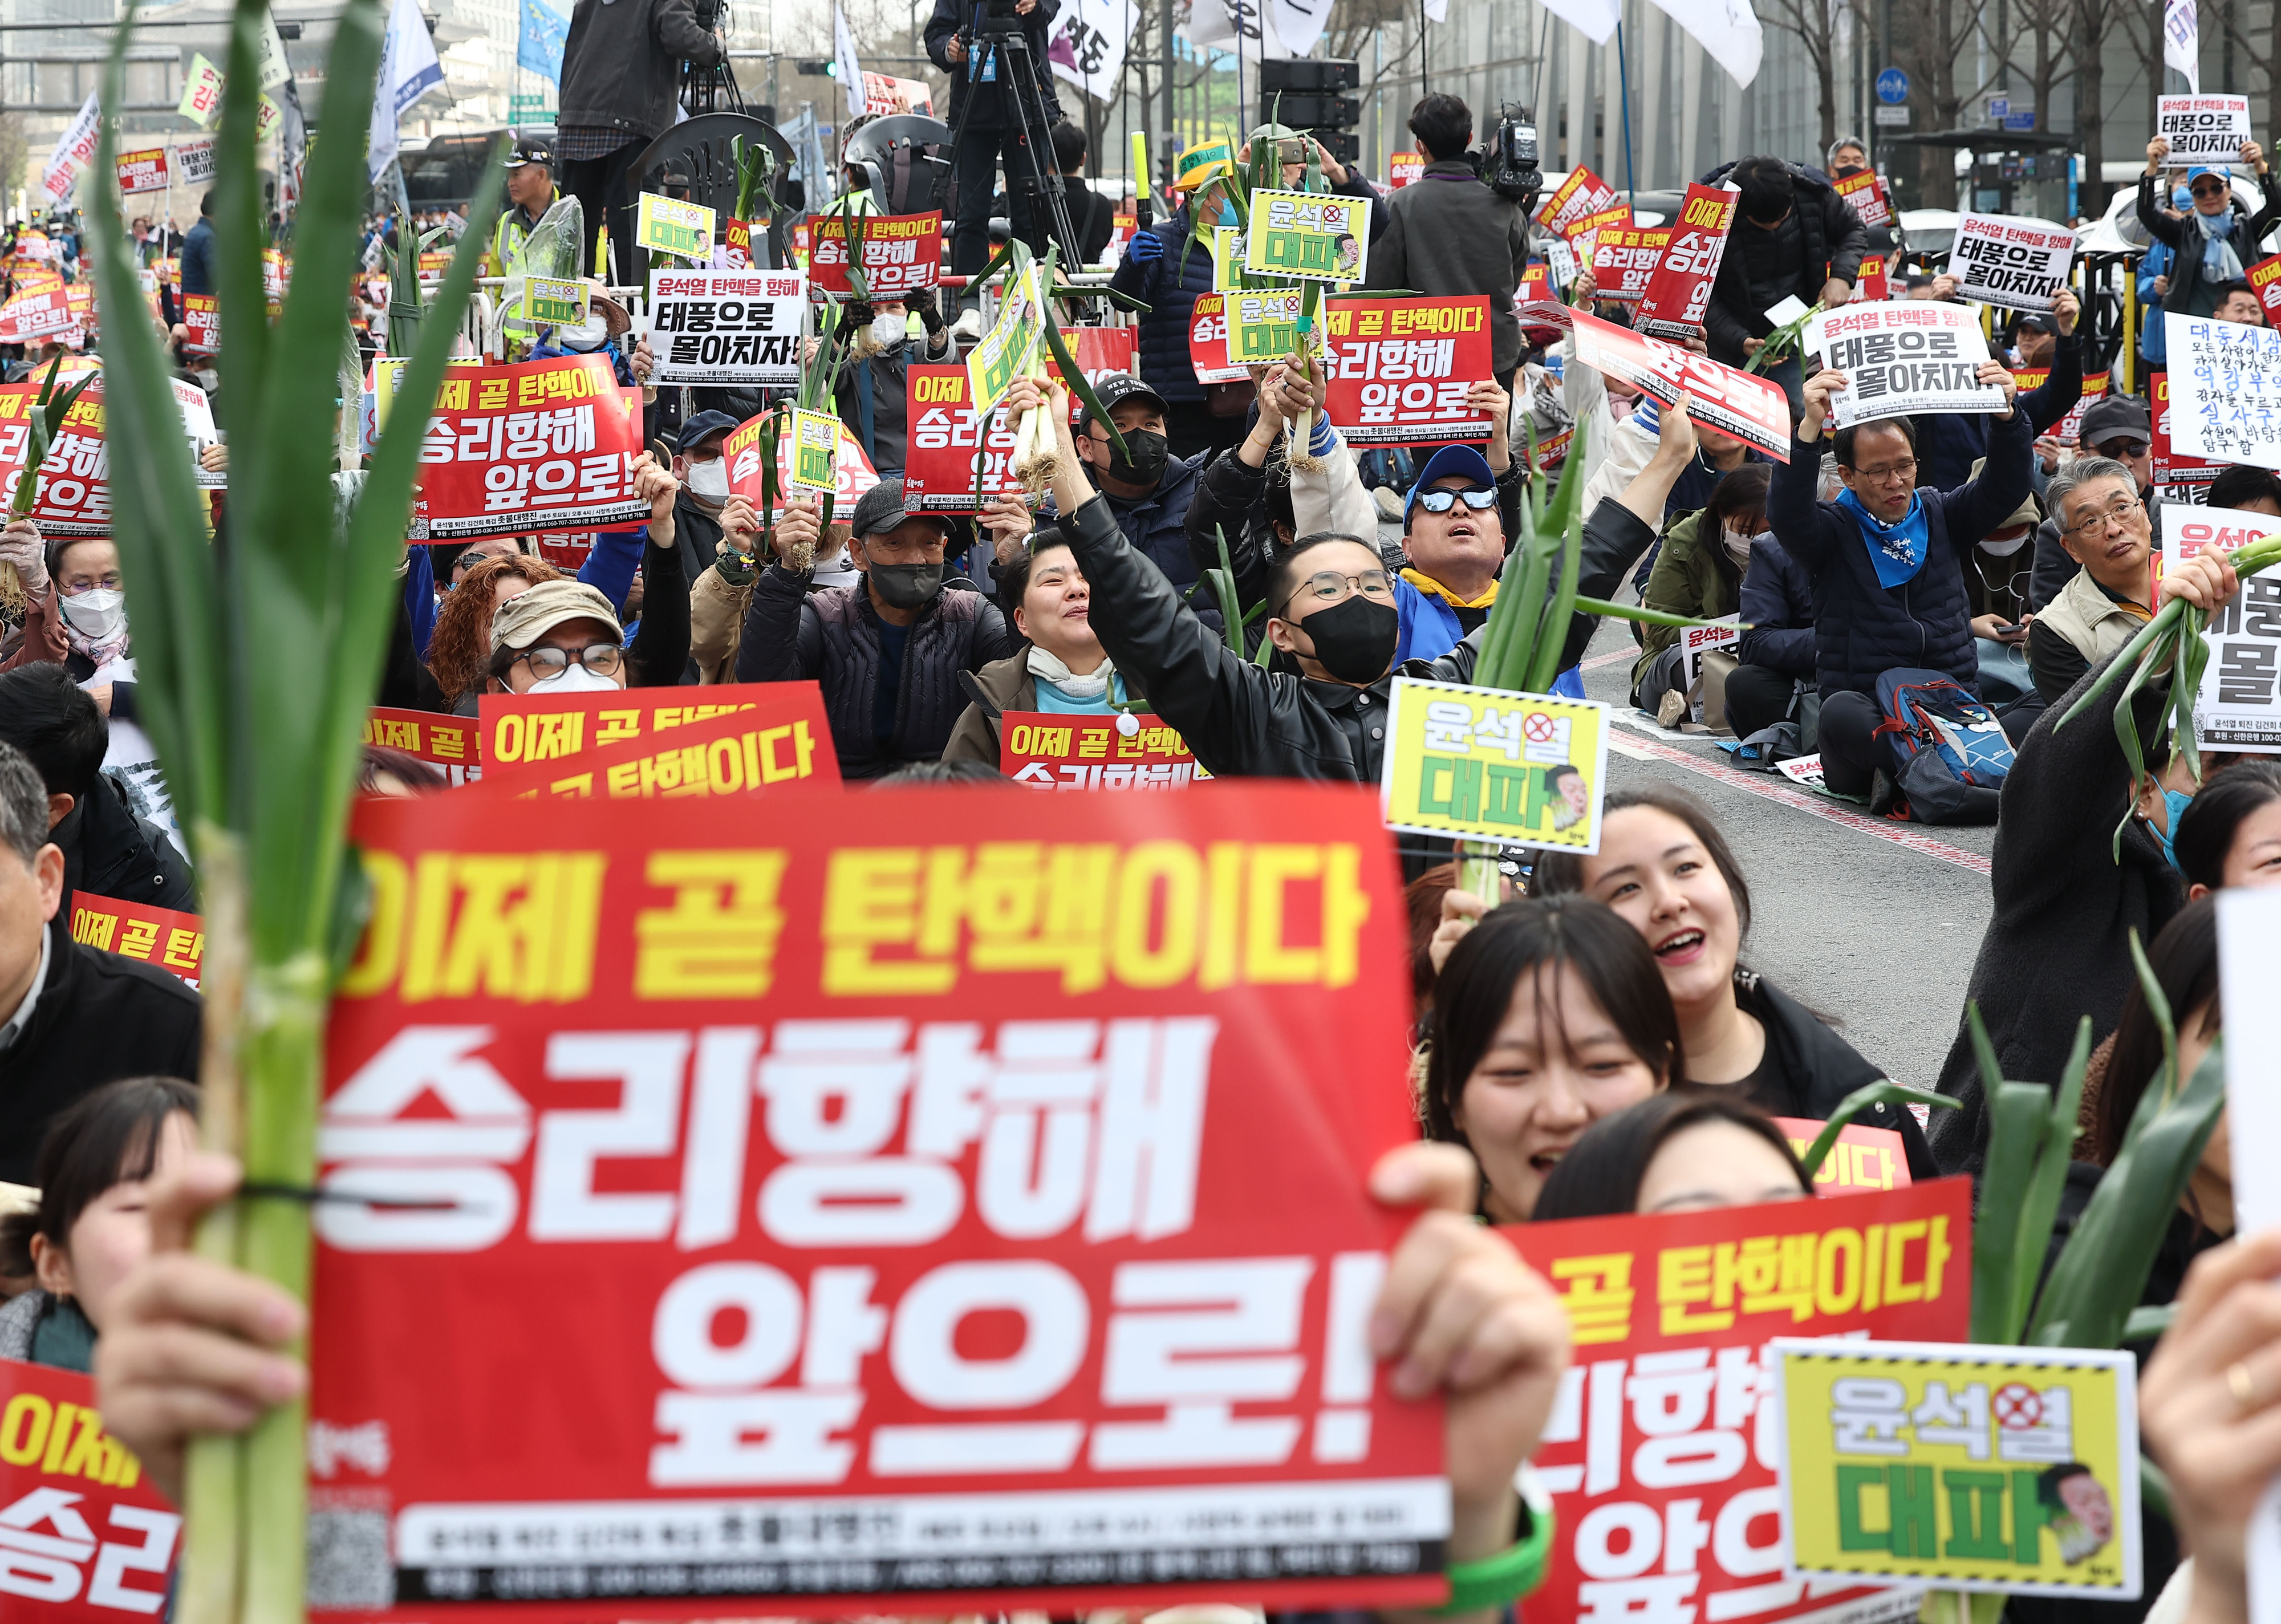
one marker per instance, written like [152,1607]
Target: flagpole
[1423,91]
[1624,91]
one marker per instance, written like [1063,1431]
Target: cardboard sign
[1862,1158]
[143,172]
[1061,750]
[1309,235]
[2221,376]
[2238,707]
[2009,262]
[449,743]
[202,322]
[1680,290]
[815,436]
[745,739]
[1734,402]
[727,327]
[2203,129]
[851,469]
[556,301]
[1623,260]
[933,1202]
[1662,1449]
[1397,371]
[1262,326]
[1972,1468]
[2178,477]
[1521,769]
[161,937]
[201,91]
[1207,346]
[670,225]
[1901,358]
[534,445]
[1009,349]
[1866,191]
[947,445]
[902,253]
[1403,168]
[89,1539]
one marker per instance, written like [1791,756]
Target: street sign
[1892,118]
[2020,121]
[1998,108]
[1892,87]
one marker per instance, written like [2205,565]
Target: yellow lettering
[383,947]
[870,900]
[719,938]
[1174,866]
[24,1428]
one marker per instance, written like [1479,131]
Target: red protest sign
[1741,404]
[537,445]
[2264,279]
[901,253]
[851,469]
[85,1538]
[161,937]
[2068,431]
[1872,285]
[1680,290]
[202,322]
[2178,478]
[74,494]
[742,739]
[35,314]
[1866,193]
[1624,257]
[1536,283]
[900,1217]
[143,172]
[1660,1452]
[1208,340]
[1059,750]
[1862,1159]
[947,444]
[734,251]
[449,743]
[1098,352]
[1397,371]
[1403,168]
[1581,193]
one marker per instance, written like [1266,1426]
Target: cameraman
[1449,236]
[985,111]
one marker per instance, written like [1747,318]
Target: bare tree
[2049,23]
[1815,23]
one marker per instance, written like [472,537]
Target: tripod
[709,89]
[1037,186]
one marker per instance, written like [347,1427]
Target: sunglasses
[2120,449]
[2214,189]
[1441,501]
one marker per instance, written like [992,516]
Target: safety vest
[508,236]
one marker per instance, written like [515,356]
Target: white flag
[274,68]
[1087,44]
[851,73]
[408,71]
[2182,43]
[1594,19]
[1728,29]
[1299,23]
[72,151]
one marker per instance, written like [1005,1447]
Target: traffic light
[1304,95]
[829,70]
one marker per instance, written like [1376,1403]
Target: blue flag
[540,48]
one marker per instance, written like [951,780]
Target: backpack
[1950,754]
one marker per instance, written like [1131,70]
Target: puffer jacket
[1862,628]
[1447,234]
[1832,240]
[832,637]
[2189,294]
[621,63]
[1157,523]
[717,621]
[1949,443]
[1693,576]
[1169,291]
[1777,606]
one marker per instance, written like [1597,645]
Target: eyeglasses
[2216,189]
[1441,501]
[109,582]
[2118,513]
[1329,586]
[546,661]
[1903,472]
[2120,449]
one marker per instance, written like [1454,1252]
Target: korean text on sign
[2225,390]
[539,445]
[1624,258]
[1262,325]
[1208,340]
[895,1280]
[851,469]
[2238,707]
[670,225]
[901,253]
[1580,195]
[1974,1468]
[1063,751]
[1309,235]
[1662,1450]
[1732,401]
[1866,191]
[740,743]
[74,491]
[160,936]
[446,743]
[2179,478]
[1010,347]
[727,327]
[1519,768]
[143,172]
[1398,370]
[2011,263]
[953,464]
[2203,129]
[1903,359]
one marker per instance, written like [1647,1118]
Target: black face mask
[1149,452]
[905,586]
[1355,638]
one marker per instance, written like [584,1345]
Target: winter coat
[622,65]
[1447,235]
[1777,609]
[1693,576]
[2055,566]
[1157,523]
[1862,628]
[1170,290]
[1949,443]
[832,637]
[1000,686]
[196,265]
[2190,295]
[717,608]
[2083,627]
[1829,243]
[993,109]
[110,852]
[889,373]
[1809,1069]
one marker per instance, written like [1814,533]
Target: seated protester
[72,1017]
[2238,301]
[1457,526]
[1165,270]
[2068,891]
[888,651]
[1949,443]
[2103,526]
[2246,490]
[91,1225]
[459,653]
[1546,1017]
[724,594]
[1148,496]
[703,475]
[1886,563]
[872,391]
[2230,833]
[1774,655]
[1063,669]
[1998,574]
[1717,455]
[2119,429]
[107,849]
[1682,1152]
[1698,572]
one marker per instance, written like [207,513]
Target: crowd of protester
[1596,1044]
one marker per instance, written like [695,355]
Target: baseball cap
[521,621]
[2034,321]
[531,150]
[701,428]
[2115,414]
[1117,387]
[880,509]
[1206,161]
[1450,461]
[2200,170]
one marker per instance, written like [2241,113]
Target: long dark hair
[105,1138]
[1601,1174]
[2183,958]
[1559,873]
[1484,975]
[2204,837]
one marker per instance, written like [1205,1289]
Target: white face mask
[887,328]
[573,678]
[709,479]
[1738,547]
[2005,549]
[96,615]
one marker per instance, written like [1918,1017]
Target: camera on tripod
[999,20]
[1510,163]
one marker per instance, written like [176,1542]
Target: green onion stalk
[819,380]
[754,163]
[259,664]
[2173,640]
[1037,454]
[47,412]
[1781,342]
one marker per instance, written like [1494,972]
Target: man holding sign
[2217,239]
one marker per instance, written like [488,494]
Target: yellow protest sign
[815,441]
[1307,235]
[669,226]
[1970,1468]
[556,301]
[1009,349]
[1263,324]
[201,91]
[1227,259]
[1522,769]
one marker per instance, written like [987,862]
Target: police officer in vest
[530,192]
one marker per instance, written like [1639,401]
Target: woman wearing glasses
[2216,238]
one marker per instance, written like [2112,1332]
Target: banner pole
[1624,93]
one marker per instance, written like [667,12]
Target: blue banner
[540,47]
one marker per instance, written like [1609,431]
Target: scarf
[2219,263]
[1432,588]
[1897,550]
[103,653]
[1048,668]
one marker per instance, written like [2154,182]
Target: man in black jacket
[888,651]
[1794,237]
[987,114]
[1091,216]
[72,1018]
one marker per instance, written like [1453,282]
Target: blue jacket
[1949,443]
[1429,625]
[197,266]
[1157,525]
[1777,606]
[1861,627]
[1169,293]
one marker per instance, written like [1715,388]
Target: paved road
[1874,924]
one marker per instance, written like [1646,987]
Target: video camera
[999,20]
[1509,162]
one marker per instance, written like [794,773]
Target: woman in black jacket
[2216,240]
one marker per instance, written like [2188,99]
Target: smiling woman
[1692,1151]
